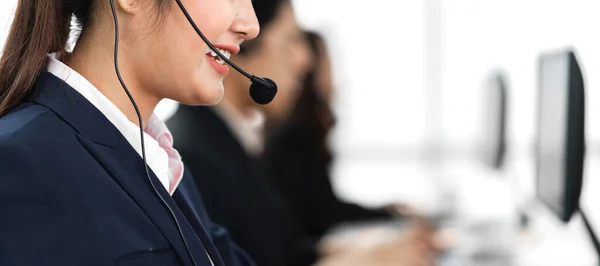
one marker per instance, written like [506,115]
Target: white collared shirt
[161,157]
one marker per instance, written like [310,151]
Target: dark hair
[312,112]
[39,27]
[266,12]
[311,100]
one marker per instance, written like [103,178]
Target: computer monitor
[494,120]
[560,133]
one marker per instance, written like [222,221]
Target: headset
[262,91]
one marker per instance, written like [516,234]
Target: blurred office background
[410,76]
[410,100]
[411,79]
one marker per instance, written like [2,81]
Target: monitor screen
[560,141]
[492,139]
[552,130]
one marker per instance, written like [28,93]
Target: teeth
[225,53]
[216,57]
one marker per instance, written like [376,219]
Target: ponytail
[39,27]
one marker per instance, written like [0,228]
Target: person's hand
[436,239]
[407,251]
[368,238]
[401,210]
[357,241]
[423,230]
[412,250]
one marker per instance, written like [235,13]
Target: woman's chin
[218,97]
[205,96]
[217,94]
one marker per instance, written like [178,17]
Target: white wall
[7,7]
[481,35]
[378,53]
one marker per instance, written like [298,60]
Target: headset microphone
[262,90]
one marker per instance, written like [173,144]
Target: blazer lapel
[119,159]
[126,167]
[182,201]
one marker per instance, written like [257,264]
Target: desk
[551,244]
[485,208]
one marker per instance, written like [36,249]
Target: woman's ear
[131,6]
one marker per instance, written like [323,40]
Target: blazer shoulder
[33,136]
[28,123]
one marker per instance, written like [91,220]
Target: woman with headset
[88,175]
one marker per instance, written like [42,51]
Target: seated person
[298,159]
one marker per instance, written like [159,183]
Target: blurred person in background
[224,145]
[297,156]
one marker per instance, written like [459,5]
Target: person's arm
[308,189]
[412,248]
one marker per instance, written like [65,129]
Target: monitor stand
[591,233]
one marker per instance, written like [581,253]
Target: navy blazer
[74,192]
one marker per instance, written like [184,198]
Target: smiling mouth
[216,57]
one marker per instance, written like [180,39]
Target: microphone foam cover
[263,90]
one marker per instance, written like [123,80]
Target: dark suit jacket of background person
[294,167]
[235,191]
[73,192]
